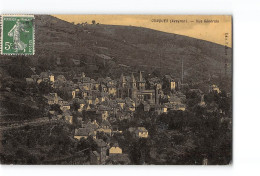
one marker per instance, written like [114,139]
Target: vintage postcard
[116,90]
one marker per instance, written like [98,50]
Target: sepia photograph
[116,90]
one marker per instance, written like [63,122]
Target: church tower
[158,89]
[141,82]
[133,82]
[123,81]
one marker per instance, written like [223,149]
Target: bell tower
[141,82]
[133,81]
[123,81]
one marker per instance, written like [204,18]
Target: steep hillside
[109,50]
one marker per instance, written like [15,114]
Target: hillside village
[96,107]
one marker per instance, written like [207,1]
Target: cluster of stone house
[108,154]
[139,132]
[110,100]
[92,128]
[105,150]
[52,99]
[117,96]
[44,76]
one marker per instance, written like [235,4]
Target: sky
[213,28]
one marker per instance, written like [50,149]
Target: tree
[102,135]
[63,94]
[75,106]
[156,73]
[86,145]
[89,115]
[56,107]
[140,108]
[193,99]
[163,100]
[19,70]
[75,121]
[45,87]
[83,145]
[139,151]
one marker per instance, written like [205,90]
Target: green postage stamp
[17,35]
